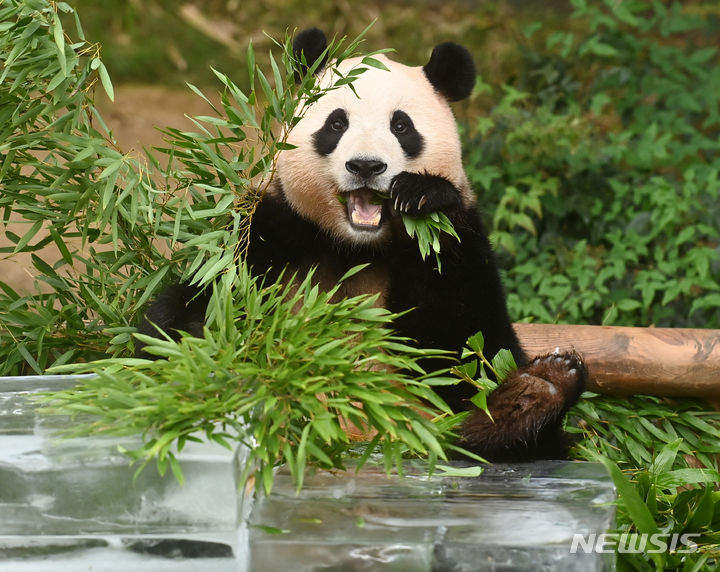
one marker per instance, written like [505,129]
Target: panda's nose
[366,168]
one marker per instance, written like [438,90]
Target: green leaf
[665,459]
[702,516]
[176,469]
[59,37]
[686,477]
[105,80]
[479,400]
[28,236]
[476,342]
[503,363]
[630,499]
[374,63]
[271,529]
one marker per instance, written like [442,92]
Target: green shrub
[598,166]
[601,166]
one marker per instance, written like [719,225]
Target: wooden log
[668,362]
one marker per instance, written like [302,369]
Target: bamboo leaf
[631,501]
[105,81]
[59,37]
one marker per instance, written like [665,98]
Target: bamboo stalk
[652,361]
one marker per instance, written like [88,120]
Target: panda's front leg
[527,411]
[418,194]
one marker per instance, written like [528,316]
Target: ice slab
[520,517]
[73,505]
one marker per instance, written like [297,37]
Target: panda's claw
[421,202]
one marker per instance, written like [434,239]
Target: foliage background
[592,139]
[592,142]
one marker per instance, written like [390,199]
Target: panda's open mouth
[364,208]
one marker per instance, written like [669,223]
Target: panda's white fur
[312,183]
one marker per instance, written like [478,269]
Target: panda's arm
[466,297]
[527,410]
[451,304]
[180,307]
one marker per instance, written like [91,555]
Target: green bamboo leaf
[705,510]
[630,499]
[700,424]
[78,26]
[686,477]
[176,469]
[503,363]
[665,459]
[428,438]
[28,236]
[105,81]
[150,289]
[59,37]
[271,529]
[277,76]
[374,63]
[59,78]
[476,342]
[251,65]
[28,357]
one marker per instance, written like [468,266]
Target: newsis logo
[627,543]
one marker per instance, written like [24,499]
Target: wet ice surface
[73,505]
[520,517]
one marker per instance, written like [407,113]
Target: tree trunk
[650,361]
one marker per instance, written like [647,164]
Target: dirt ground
[134,119]
[138,112]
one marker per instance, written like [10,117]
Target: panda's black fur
[447,307]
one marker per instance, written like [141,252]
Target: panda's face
[350,147]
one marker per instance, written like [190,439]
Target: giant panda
[396,135]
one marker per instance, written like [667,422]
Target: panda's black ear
[451,71]
[311,43]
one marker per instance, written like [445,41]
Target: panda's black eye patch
[328,136]
[402,127]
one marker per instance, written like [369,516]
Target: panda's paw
[565,372]
[417,194]
[527,411]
